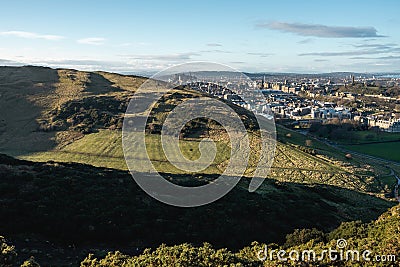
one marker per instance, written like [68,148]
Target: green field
[388,151]
[104,149]
[290,136]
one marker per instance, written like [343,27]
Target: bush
[116,259]
[30,263]
[301,236]
[309,142]
[7,253]
[179,255]
[347,230]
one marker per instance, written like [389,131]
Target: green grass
[104,149]
[388,151]
[97,149]
[290,136]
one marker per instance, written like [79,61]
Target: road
[397,188]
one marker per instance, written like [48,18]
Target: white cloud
[92,41]
[32,35]
[323,31]
[7,62]
[259,54]
[364,49]
[165,57]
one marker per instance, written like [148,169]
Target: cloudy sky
[140,36]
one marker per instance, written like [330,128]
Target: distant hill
[31,97]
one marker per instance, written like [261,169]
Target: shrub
[347,230]
[301,236]
[7,253]
[30,263]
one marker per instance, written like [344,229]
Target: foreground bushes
[179,255]
[7,253]
[380,237]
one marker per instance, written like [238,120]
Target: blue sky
[136,36]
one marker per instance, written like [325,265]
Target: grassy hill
[30,97]
[68,115]
[291,164]
[74,116]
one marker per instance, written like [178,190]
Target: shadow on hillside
[24,95]
[100,85]
[28,102]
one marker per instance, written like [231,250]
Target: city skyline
[284,36]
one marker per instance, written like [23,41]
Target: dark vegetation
[336,129]
[348,131]
[86,115]
[89,114]
[197,127]
[379,237]
[372,89]
[79,204]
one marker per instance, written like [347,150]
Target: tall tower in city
[263,83]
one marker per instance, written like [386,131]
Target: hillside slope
[32,97]
[86,206]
